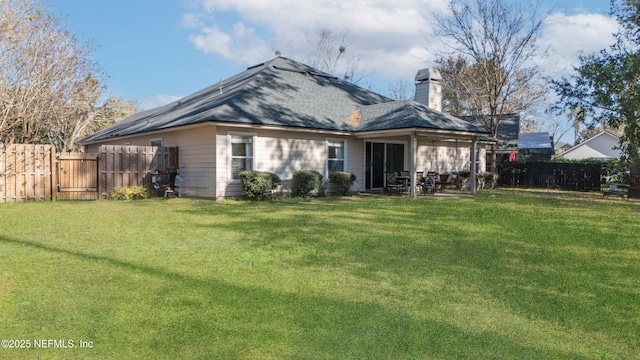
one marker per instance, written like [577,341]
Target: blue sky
[157,50]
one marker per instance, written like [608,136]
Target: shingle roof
[508,128]
[410,114]
[286,93]
[537,140]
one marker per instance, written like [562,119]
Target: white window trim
[229,154]
[326,163]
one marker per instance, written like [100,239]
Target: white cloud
[569,35]
[157,101]
[389,37]
[392,39]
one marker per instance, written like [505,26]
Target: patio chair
[419,180]
[429,185]
[405,179]
[393,185]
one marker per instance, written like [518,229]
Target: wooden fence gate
[38,173]
[76,176]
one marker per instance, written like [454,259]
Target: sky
[156,51]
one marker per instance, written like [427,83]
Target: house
[536,146]
[506,134]
[604,145]
[561,147]
[281,116]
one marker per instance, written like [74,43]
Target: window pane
[242,145]
[336,150]
[241,154]
[336,165]
[238,165]
[238,149]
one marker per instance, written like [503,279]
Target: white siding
[600,147]
[446,157]
[283,153]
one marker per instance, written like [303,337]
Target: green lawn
[507,274]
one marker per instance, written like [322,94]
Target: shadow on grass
[553,260]
[222,320]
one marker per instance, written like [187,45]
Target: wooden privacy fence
[37,172]
[26,172]
[551,175]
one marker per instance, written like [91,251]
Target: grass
[507,274]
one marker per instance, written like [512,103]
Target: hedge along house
[281,116]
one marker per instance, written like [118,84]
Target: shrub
[258,184]
[129,193]
[306,183]
[464,174]
[487,180]
[344,180]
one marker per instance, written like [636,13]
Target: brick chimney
[429,88]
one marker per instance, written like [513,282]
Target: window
[241,154]
[155,142]
[335,155]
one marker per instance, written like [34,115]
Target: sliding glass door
[381,157]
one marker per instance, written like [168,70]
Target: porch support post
[473,170]
[412,166]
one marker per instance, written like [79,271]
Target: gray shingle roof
[410,114]
[538,140]
[508,128]
[286,93]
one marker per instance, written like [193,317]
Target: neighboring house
[506,134]
[604,145]
[536,146]
[281,116]
[561,147]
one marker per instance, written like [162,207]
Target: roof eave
[461,134]
[221,124]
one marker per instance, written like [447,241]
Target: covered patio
[407,136]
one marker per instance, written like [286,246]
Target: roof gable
[605,141]
[410,114]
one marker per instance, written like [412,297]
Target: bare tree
[331,51]
[496,41]
[50,89]
[576,117]
[86,114]
[461,84]
[400,90]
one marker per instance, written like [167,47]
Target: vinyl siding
[283,153]
[600,147]
[446,157]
